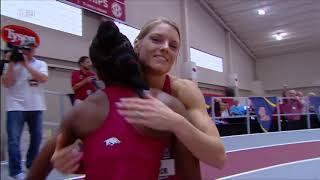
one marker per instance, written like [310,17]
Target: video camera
[17,51]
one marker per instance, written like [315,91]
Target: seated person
[237,109]
[113,148]
[224,110]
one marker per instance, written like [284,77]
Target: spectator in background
[23,80]
[311,108]
[315,123]
[220,111]
[84,80]
[300,96]
[284,93]
[237,109]
[217,111]
[293,106]
[285,89]
[229,92]
[220,108]
[303,101]
[224,110]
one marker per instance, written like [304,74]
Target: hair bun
[114,58]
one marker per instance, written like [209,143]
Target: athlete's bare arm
[199,134]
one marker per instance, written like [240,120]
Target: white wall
[243,65]
[61,45]
[296,70]
[205,34]
[141,11]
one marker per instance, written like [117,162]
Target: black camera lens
[17,51]
[16,55]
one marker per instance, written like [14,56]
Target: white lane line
[271,133]
[6,162]
[272,145]
[270,167]
[74,178]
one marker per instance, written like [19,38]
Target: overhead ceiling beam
[211,11]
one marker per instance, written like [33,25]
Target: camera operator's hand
[35,73]
[8,77]
[25,61]
[6,56]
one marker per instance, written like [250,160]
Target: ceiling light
[261,12]
[279,36]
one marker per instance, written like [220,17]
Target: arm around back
[78,123]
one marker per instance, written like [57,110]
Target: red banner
[111,8]
[17,35]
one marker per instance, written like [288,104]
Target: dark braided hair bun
[114,58]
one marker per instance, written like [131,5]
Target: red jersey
[84,91]
[116,151]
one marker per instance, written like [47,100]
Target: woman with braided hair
[157,47]
[113,148]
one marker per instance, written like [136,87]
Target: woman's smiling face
[158,49]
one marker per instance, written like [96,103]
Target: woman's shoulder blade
[91,113]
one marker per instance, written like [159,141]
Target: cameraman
[83,81]
[23,79]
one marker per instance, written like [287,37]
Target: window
[129,31]
[206,60]
[47,13]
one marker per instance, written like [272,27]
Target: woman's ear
[136,46]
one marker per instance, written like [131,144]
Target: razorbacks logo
[112,141]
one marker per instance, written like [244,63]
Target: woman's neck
[155,81]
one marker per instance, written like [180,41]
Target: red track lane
[247,160]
